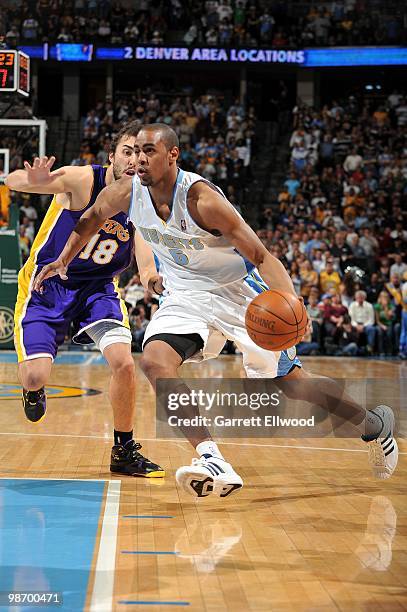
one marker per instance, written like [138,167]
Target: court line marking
[147,516]
[130,602]
[323,448]
[102,594]
[149,552]
[56,479]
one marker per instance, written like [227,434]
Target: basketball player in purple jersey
[88,296]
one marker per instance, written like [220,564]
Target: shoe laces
[34,396]
[133,450]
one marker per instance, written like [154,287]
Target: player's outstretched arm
[112,199]
[210,209]
[150,279]
[39,178]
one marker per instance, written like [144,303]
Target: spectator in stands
[385,319]
[315,315]
[28,209]
[363,319]
[346,338]
[329,279]
[374,288]
[133,292]
[333,313]
[149,303]
[309,278]
[398,268]
[352,162]
[296,277]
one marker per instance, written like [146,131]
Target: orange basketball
[276,320]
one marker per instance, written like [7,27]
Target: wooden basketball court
[310,530]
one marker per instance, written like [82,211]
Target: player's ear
[111,157]
[173,155]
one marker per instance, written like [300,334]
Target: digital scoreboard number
[14,72]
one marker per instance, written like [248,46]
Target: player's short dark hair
[168,135]
[131,128]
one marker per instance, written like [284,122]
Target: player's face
[153,158]
[124,158]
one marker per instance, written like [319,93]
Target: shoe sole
[229,489]
[195,483]
[202,485]
[378,472]
[156,474]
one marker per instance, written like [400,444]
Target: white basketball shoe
[209,475]
[383,451]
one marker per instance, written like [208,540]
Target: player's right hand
[56,268]
[40,172]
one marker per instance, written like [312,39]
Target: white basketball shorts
[217,316]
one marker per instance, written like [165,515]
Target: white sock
[209,448]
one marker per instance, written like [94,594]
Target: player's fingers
[36,163]
[45,273]
[51,161]
[27,166]
[38,282]
[43,161]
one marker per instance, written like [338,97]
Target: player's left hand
[56,268]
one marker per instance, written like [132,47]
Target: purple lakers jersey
[106,255]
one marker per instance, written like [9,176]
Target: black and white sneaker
[383,450]
[209,475]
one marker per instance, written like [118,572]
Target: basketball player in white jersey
[212,265]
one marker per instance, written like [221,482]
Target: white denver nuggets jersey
[189,257]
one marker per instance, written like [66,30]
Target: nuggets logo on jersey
[202,261]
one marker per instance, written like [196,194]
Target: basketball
[276,320]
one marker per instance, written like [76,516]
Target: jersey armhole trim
[90,195]
[212,186]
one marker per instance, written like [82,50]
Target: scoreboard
[14,72]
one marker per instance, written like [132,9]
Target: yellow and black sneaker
[127,460]
[35,404]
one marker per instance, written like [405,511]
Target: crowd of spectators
[265,23]
[217,139]
[340,224]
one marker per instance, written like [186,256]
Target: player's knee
[152,366]
[32,381]
[124,370]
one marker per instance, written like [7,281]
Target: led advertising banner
[306,58]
